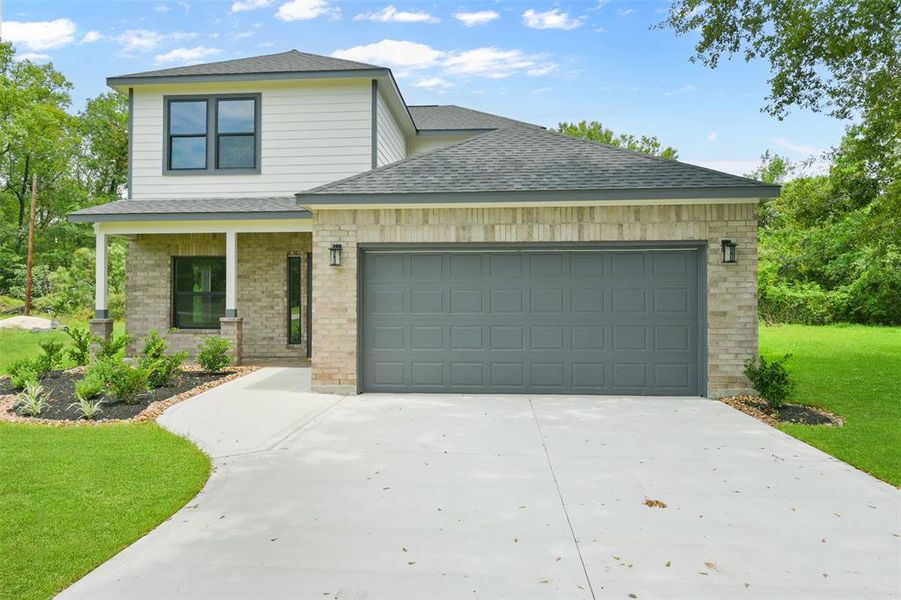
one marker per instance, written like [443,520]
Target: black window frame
[171,136]
[213,135]
[175,293]
[300,298]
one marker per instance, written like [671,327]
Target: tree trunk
[30,263]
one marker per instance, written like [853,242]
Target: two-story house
[297,206]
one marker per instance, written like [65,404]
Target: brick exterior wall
[262,288]
[732,288]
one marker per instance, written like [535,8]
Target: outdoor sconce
[334,255]
[729,252]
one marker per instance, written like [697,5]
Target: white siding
[391,146]
[312,133]
[427,143]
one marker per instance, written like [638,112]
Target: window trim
[212,135]
[174,293]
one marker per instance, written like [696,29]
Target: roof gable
[523,160]
[291,61]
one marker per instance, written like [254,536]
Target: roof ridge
[653,157]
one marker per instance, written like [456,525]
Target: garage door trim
[701,247]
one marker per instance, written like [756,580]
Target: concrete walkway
[432,497]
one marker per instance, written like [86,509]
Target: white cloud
[161,8]
[32,56]
[600,29]
[435,84]
[625,12]
[305,10]
[685,89]
[736,167]
[241,6]
[471,19]
[186,55]
[550,19]
[139,40]
[795,148]
[712,136]
[495,63]
[91,36]
[389,14]
[40,35]
[488,62]
[393,53]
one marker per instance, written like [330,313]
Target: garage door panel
[588,322]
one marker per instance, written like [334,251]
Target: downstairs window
[198,290]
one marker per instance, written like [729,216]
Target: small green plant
[113,347]
[154,346]
[85,407]
[80,350]
[770,379]
[215,354]
[165,368]
[21,373]
[53,351]
[32,401]
[126,382]
[90,387]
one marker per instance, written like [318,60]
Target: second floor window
[212,134]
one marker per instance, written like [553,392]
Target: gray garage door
[532,321]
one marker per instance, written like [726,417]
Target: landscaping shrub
[126,382]
[53,351]
[32,401]
[215,354]
[112,347]
[80,350]
[154,346]
[164,366]
[770,379]
[164,369]
[21,373]
[90,387]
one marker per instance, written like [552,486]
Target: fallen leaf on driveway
[654,503]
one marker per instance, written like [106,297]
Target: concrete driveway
[430,497]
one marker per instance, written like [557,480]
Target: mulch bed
[61,386]
[790,413]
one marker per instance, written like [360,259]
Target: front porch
[246,281]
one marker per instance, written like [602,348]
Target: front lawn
[72,497]
[855,372]
[18,344]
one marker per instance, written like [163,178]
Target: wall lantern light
[729,252]
[334,255]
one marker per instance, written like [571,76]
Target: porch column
[100,267]
[101,325]
[231,274]
[232,326]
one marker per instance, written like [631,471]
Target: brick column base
[233,331]
[100,328]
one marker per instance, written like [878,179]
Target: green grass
[72,497]
[855,372]
[16,344]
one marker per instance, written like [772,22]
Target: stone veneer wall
[732,288]
[262,288]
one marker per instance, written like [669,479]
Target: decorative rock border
[752,405]
[153,410]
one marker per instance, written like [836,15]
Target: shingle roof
[206,208]
[291,61]
[526,160]
[452,117]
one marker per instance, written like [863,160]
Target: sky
[539,61]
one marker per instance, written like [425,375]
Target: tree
[103,160]
[833,55]
[596,132]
